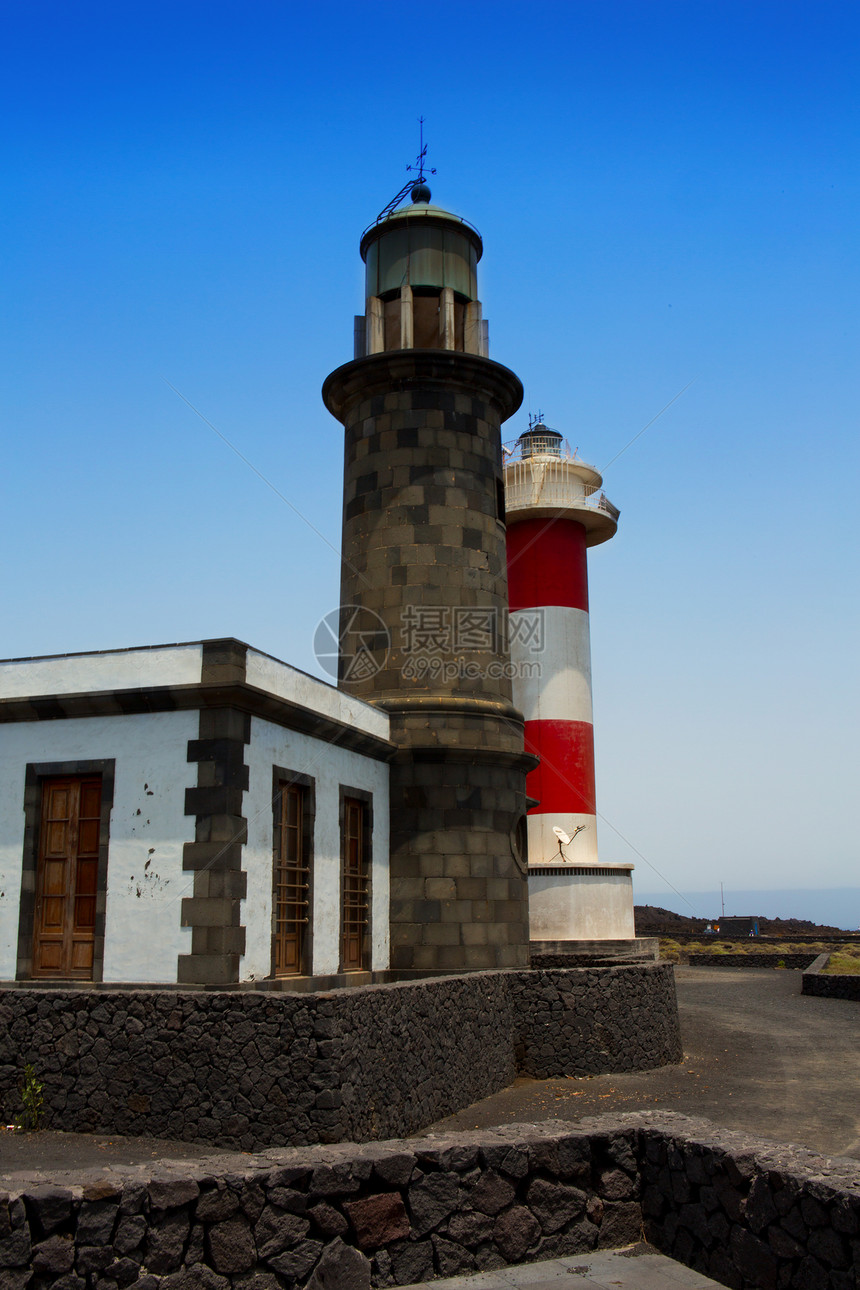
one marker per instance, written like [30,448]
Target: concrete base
[581,902]
[642,949]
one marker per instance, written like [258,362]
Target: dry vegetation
[674,951]
[777,939]
[845,961]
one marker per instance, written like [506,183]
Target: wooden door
[355,888]
[67,877]
[291,884]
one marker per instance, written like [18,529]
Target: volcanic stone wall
[244,1069]
[795,961]
[580,1021]
[749,1213]
[738,1209]
[829,986]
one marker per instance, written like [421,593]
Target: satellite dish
[563,839]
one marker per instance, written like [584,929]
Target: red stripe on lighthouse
[546,564]
[564,781]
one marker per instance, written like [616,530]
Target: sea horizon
[831,906]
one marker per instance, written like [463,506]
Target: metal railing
[545,481]
[540,446]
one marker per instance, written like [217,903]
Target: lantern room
[421,281]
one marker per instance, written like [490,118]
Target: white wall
[330,767]
[112,670]
[273,676]
[148,827]
[560,689]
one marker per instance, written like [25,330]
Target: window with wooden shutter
[291,886]
[355,885]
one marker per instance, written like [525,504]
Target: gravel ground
[758,1056]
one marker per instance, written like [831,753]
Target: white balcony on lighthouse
[545,480]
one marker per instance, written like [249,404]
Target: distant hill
[653,921]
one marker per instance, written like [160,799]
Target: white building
[195,813]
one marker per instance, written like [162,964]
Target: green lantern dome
[425,247]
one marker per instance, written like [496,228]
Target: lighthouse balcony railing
[550,483]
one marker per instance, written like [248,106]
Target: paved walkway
[758,1056]
[636,1268]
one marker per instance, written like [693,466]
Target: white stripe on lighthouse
[553,681]
[543,843]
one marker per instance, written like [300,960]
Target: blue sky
[667,193]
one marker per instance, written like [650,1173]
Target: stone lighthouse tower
[555,512]
[424,589]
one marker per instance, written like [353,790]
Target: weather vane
[417,187]
[422,154]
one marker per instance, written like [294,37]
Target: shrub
[32,1101]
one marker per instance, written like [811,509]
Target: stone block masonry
[244,1069]
[424,559]
[746,1212]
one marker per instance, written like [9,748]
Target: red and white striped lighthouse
[555,510]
